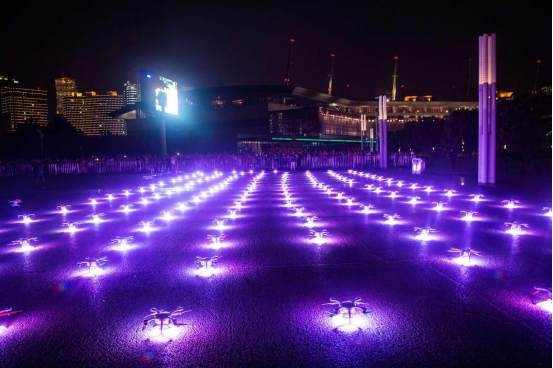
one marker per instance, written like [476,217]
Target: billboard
[159,94]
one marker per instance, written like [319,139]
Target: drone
[64,209]
[413,186]
[391,219]
[71,226]
[476,197]
[146,225]
[163,318]
[378,190]
[310,220]
[96,217]
[217,239]
[232,213]
[93,201]
[206,263]
[25,243]
[511,203]
[424,232]
[167,214]
[413,200]
[340,195]
[126,207]
[144,200]
[238,205]
[298,210]
[428,188]
[400,183]
[123,240]
[318,236]
[515,228]
[349,201]
[548,213]
[156,196]
[547,292]
[366,208]
[110,196]
[439,205]
[467,252]
[369,186]
[141,189]
[393,194]
[449,192]
[469,215]
[26,218]
[329,191]
[289,202]
[347,308]
[220,223]
[15,202]
[93,264]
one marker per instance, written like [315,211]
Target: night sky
[104,44]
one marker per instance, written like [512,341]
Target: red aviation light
[291,40]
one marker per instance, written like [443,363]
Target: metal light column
[492,147]
[394,77]
[330,75]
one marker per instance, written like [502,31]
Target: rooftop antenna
[290,62]
[537,74]
[394,77]
[330,75]
[468,80]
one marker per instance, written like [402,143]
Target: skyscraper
[131,93]
[89,112]
[21,105]
[65,87]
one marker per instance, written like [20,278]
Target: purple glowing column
[382,122]
[492,112]
[487,111]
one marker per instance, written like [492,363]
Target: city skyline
[249,46]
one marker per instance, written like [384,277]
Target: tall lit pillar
[486,109]
[363,132]
[383,141]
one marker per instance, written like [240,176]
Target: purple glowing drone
[219,223]
[424,232]
[510,203]
[8,311]
[310,220]
[391,219]
[93,264]
[469,215]
[347,308]
[546,291]
[163,318]
[515,227]
[366,208]
[123,240]
[467,252]
[96,218]
[205,263]
[71,226]
[439,205]
[298,211]
[217,239]
[476,197]
[26,218]
[15,202]
[25,243]
[64,209]
[319,236]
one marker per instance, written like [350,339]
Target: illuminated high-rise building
[90,113]
[131,93]
[65,87]
[22,105]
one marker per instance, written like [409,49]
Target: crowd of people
[180,163]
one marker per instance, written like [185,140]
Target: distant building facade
[65,87]
[21,105]
[90,113]
[131,93]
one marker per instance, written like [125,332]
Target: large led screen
[159,94]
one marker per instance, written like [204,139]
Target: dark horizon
[104,45]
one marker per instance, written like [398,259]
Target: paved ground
[263,307]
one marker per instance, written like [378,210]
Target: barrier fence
[184,164]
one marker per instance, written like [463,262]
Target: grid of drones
[346,315]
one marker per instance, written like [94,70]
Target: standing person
[292,161]
[298,160]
